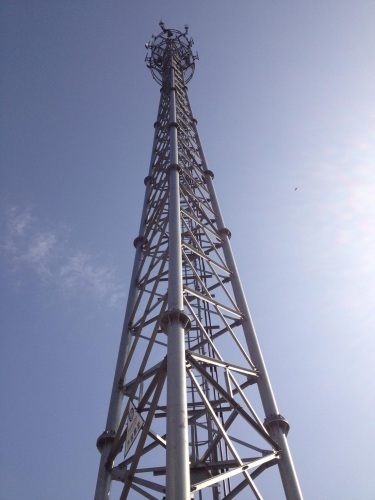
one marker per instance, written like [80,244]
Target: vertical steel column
[104,443]
[103,485]
[277,425]
[178,474]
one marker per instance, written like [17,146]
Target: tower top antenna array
[170,44]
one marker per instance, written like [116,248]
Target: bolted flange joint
[225,231]
[208,173]
[140,241]
[106,437]
[273,420]
[175,166]
[174,316]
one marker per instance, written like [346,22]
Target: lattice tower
[192,413]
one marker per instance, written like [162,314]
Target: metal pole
[104,443]
[277,426]
[178,474]
[103,485]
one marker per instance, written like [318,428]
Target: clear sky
[284,94]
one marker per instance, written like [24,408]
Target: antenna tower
[192,413]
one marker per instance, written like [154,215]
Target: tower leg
[287,472]
[103,484]
[104,443]
[178,474]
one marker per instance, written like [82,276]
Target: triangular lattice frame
[222,370]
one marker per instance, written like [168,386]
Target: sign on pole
[135,423]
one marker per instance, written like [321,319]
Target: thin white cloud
[39,252]
[79,272]
[28,245]
[20,221]
[17,224]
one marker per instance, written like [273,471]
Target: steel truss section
[189,361]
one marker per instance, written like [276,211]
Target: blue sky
[284,95]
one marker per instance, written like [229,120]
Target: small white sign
[135,423]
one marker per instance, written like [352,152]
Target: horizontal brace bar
[233,472]
[223,364]
[205,228]
[148,484]
[205,257]
[212,301]
[144,376]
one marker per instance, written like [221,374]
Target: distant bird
[295,189]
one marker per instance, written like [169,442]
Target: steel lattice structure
[189,364]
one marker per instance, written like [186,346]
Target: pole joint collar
[106,437]
[148,180]
[208,173]
[175,166]
[225,231]
[175,316]
[276,420]
[140,241]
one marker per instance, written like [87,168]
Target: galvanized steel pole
[104,442]
[178,478]
[277,425]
